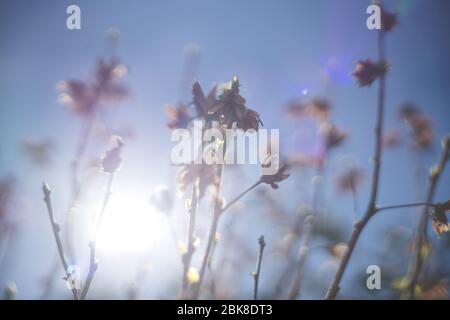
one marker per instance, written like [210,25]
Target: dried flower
[277,177]
[295,109]
[388,20]
[421,126]
[230,108]
[206,175]
[319,109]
[366,71]
[391,138]
[332,135]
[439,218]
[350,179]
[107,86]
[84,97]
[39,152]
[179,117]
[112,160]
[203,104]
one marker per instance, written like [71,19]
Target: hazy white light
[130,224]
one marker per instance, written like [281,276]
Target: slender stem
[187,257]
[213,228]
[408,205]
[93,244]
[371,208]
[56,229]
[421,236]
[232,202]
[262,244]
[212,232]
[301,259]
[75,186]
[306,238]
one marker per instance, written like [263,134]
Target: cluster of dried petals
[295,109]
[179,116]
[391,138]
[206,175]
[112,159]
[203,104]
[319,109]
[366,71]
[439,217]
[332,135]
[274,179]
[229,109]
[39,152]
[84,97]
[388,20]
[421,126]
[350,179]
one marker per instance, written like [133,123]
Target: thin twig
[408,205]
[303,250]
[187,257]
[212,232]
[75,186]
[262,244]
[302,254]
[371,208]
[93,244]
[421,236]
[56,229]
[218,211]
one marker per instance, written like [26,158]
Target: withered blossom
[391,138]
[420,125]
[332,135]
[206,175]
[439,218]
[112,159]
[350,179]
[230,109]
[279,176]
[388,20]
[84,97]
[179,116]
[366,71]
[319,109]
[38,151]
[295,109]
[203,105]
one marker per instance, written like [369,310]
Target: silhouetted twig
[93,244]
[262,244]
[371,208]
[421,235]
[56,229]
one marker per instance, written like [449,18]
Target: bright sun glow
[130,224]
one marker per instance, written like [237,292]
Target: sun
[129,224]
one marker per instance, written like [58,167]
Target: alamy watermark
[229,146]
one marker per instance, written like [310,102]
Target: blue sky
[277,48]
